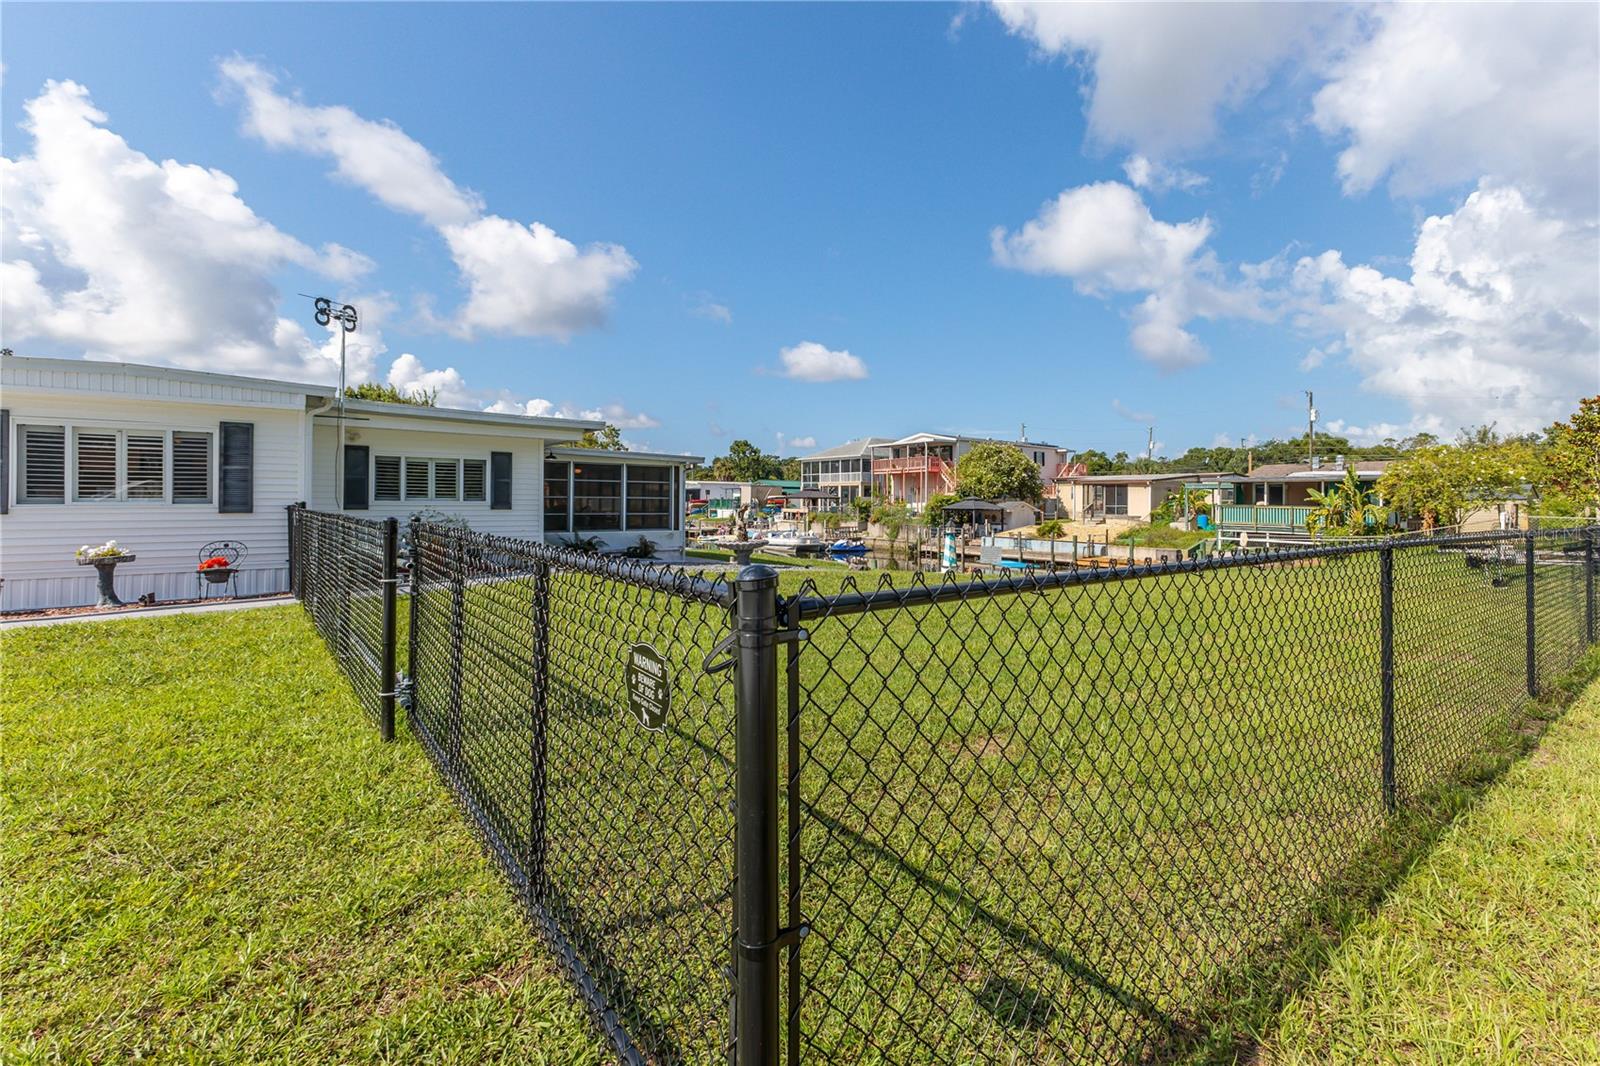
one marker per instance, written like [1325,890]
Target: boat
[796,541]
[847,547]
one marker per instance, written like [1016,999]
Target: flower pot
[217,575]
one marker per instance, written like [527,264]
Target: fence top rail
[644,573]
[950,587]
[373,525]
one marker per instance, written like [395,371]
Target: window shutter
[500,481]
[386,475]
[355,477]
[236,473]
[5,461]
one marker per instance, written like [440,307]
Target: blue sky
[931,208]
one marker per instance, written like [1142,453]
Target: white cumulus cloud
[1160,76]
[110,253]
[1439,94]
[1105,239]
[1146,173]
[1498,322]
[810,361]
[521,279]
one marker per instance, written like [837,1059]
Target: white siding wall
[525,518]
[38,540]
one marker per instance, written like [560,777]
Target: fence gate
[565,699]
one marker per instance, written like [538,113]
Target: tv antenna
[327,313]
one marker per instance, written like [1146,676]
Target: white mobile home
[165,461]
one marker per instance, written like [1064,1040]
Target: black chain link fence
[1033,818]
[1046,819]
[342,570]
[618,834]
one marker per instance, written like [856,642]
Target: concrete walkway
[148,612]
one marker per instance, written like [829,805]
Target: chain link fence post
[540,729]
[1386,669]
[386,693]
[1588,587]
[294,549]
[1533,664]
[755,908]
[414,582]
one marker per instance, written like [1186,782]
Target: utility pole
[1311,430]
[1150,445]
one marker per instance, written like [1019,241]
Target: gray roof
[1134,479]
[850,449]
[1328,471]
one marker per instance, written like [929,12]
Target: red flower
[213,563]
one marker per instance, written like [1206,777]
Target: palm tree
[1346,506]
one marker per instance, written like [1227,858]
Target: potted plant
[104,559]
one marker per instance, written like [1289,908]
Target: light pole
[327,314]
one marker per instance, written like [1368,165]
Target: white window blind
[417,487]
[445,479]
[191,467]
[474,479]
[44,464]
[147,466]
[94,464]
[386,477]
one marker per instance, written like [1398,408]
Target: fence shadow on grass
[1247,997]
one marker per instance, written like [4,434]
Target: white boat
[797,541]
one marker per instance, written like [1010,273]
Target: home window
[94,462]
[596,496]
[1271,495]
[1111,499]
[556,497]
[649,497]
[386,477]
[474,479]
[112,465]
[146,466]
[43,474]
[446,479]
[191,467]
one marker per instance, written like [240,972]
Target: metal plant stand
[105,570]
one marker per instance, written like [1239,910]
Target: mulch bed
[91,609]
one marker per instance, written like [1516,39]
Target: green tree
[1050,529]
[1347,508]
[385,393]
[746,462]
[1440,483]
[1571,460]
[933,512]
[608,439]
[994,471]
[892,517]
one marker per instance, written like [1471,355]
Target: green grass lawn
[1033,828]
[209,856]
[1163,536]
[1040,827]
[1489,950]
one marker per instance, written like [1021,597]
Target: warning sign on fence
[649,686]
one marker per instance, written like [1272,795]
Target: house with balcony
[1272,502]
[915,468]
[833,479]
